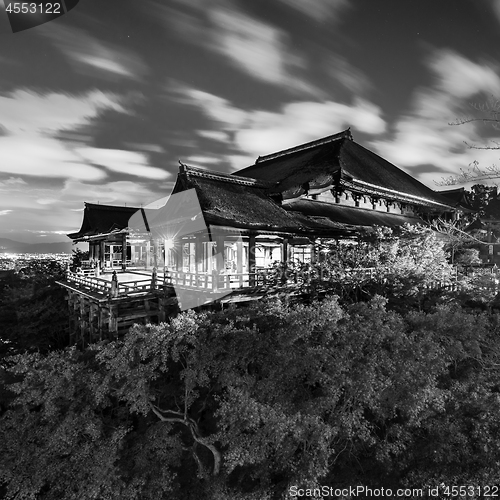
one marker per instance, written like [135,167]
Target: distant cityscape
[17,261]
[16,247]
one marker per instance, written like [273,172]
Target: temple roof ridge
[224,177]
[346,134]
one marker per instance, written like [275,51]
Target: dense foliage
[33,310]
[404,265]
[245,403]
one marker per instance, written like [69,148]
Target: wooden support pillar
[113,321]
[220,260]
[101,254]
[178,255]
[161,310]
[166,251]
[210,257]
[92,315]
[124,251]
[239,261]
[72,322]
[133,259]
[83,322]
[284,251]
[148,253]
[239,256]
[114,285]
[251,259]
[313,253]
[100,321]
[198,254]
[215,280]
[155,253]
[154,278]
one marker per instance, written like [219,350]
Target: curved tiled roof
[103,219]
[459,198]
[226,199]
[338,160]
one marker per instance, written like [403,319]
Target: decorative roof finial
[183,167]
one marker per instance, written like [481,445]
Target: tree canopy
[245,403]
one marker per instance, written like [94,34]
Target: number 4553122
[33,8]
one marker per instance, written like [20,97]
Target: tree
[458,242]
[244,403]
[400,264]
[33,309]
[78,257]
[489,115]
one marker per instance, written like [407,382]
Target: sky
[100,104]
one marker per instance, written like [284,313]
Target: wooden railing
[112,287]
[87,281]
[214,282]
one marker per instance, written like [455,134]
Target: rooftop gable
[337,160]
[103,219]
[235,201]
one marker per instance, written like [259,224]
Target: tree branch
[193,427]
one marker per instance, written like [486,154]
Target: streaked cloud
[122,161]
[424,136]
[459,77]
[215,135]
[35,155]
[259,49]
[12,182]
[90,56]
[47,201]
[25,111]
[257,132]
[299,122]
[218,109]
[5,212]
[320,10]
[199,160]
[112,193]
[495,6]
[348,76]
[148,148]
[33,121]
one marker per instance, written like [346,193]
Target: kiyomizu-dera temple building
[271,211]
[219,233]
